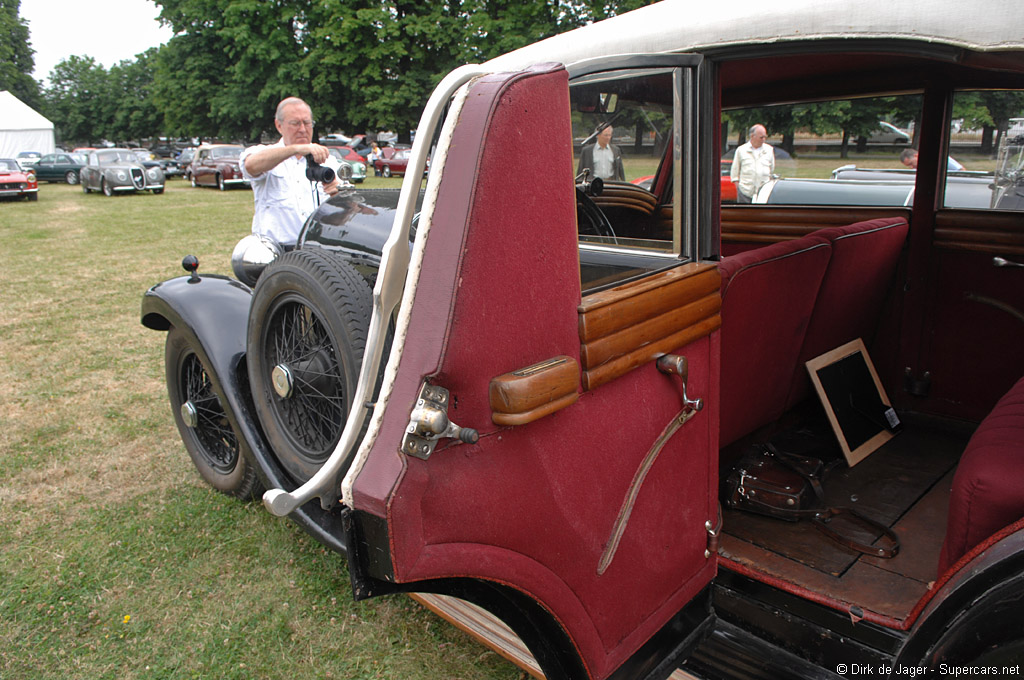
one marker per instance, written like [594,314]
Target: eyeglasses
[296,124]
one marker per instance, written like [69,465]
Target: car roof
[686,26]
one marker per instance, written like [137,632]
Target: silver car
[119,170]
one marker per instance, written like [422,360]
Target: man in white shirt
[752,165]
[603,158]
[284,197]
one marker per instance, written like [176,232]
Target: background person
[603,158]
[909,158]
[753,164]
[284,197]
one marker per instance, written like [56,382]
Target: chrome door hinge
[428,424]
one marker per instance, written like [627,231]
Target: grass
[116,561]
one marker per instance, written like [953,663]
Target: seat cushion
[768,295]
[987,487]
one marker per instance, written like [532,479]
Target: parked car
[60,167]
[216,165]
[184,161]
[887,133]
[17,183]
[356,168]
[27,159]
[117,170]
[509,390]
[394,161]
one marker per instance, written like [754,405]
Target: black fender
[213,311]
[977,615]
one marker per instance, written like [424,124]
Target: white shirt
[284,198]
[752,168]
[604,162]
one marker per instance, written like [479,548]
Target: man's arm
[258,162]
[734,171]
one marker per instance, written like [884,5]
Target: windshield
[226,152]
[8,166]
[114,156]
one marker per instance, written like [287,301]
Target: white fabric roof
[22,128]
[691,25]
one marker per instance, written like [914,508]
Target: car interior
[920,285]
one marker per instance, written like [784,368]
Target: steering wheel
[590,220]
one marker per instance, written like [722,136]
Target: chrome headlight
[30,177]
[122,175]
[152,173]
[252,255]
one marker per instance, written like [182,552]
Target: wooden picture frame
[858,409]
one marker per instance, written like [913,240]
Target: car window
[623,124]
[47,159]
[986,151]
[834,152]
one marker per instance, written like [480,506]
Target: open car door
[584,514]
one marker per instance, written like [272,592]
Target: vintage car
[113,171]
[17,183]
[587,410]
[60,167]
[27,159]
[394,161]
[216,165]
[356,168]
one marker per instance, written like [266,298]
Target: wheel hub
[283,382]
[189,414]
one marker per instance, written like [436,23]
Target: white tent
[22,128]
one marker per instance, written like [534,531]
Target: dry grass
[115,560]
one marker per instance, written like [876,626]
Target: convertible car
[113,171]
[648,433]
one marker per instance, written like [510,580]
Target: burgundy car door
[591,487]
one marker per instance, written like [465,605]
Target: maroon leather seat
[768,295]
[987,487]
[860,274]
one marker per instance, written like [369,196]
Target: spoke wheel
[386,171]
[307,331]
[218,452]
[71,177]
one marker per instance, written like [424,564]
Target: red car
[347,152]
[728,188]
[394,162]
[17,183]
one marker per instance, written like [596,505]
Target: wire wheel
[307,331]
[216,449]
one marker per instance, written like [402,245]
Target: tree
[16,55]
[133,111]
[77,100]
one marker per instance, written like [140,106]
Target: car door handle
[675,364]
[1003,262]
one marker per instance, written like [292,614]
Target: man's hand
[320,153]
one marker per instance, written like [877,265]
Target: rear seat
[860,274]
[768,295]
[789,302]
[987,485]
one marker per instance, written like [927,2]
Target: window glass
[986,151]
[622,126]
[836,152]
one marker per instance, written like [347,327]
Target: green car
[358,168]
[60,167]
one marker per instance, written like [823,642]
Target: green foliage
[16,60]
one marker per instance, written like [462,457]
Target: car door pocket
[529,393]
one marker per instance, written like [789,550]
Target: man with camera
[288,180]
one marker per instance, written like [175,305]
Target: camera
[316,172]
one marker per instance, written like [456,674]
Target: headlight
[30,177]
[152,173]
[122,175]
[360,167]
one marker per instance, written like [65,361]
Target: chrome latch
[429,424]
[674,364]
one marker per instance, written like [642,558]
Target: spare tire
[307,331]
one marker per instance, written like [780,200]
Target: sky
[109,31]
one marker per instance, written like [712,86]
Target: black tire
[386,171]
[71,177]
[158,191]
[220,183]
[217,450]
[107,190]
[33,197]
[307,327]
[192,178]
[85,188]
